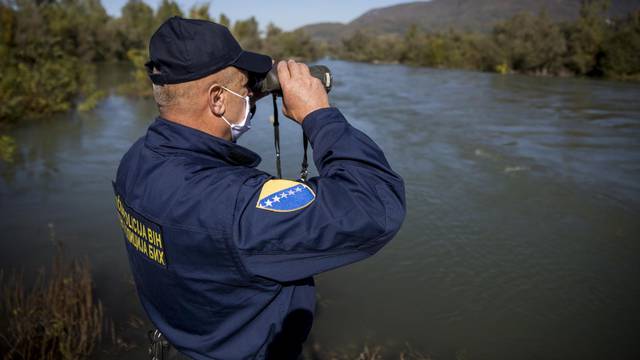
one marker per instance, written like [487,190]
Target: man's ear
[216,100]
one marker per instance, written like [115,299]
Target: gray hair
[166,95]
[170,95]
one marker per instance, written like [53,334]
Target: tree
[359,47]
[224,21]
[140,84]
[282,45]
[531,43]
[273,30]
[200,12]
[247,33]
[47,57]
[88,20]
[414,41]
[621,51]
[7,24]
[585,37]
[167,9]
[136,25]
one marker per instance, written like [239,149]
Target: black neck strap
[276,135]
[304,171]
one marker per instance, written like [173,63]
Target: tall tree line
[49,49]
[593,45]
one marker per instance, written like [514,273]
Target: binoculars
[271,84]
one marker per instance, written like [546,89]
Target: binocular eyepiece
[271,84]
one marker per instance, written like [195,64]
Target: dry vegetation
[367,352]
[57,318]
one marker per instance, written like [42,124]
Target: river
[522,238]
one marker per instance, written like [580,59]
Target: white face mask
[240,128]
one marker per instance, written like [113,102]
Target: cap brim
[253,62]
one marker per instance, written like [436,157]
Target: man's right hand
[302,93]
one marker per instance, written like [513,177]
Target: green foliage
[585,36]
[200,12]
[360,47]
[531,44]
[622,50]
[224,20]
[31,90]
[92,101]
[166,10]
[277,43]
[135,26]
[593,45]
[7,148]
[247,34]
[48,52]
[297,44]
[48,49]
[450,49]
[140,85]
[7,28]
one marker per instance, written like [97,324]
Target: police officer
[222,253]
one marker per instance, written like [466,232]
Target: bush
[621,51]
[58,318]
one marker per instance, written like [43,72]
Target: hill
[465,15]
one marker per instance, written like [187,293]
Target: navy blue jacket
[223,254]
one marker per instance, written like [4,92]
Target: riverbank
[39,38]
[592,46]
[81,37]
[58,316]
[530,249]
[502,70]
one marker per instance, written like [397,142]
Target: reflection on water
[521,239]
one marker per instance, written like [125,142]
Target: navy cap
[189,49]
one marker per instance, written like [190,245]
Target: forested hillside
[461,15]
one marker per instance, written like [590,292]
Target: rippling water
[522,238]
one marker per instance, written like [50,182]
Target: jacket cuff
[317,119]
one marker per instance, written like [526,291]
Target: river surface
[522,239]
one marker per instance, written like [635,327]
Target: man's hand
[301,93]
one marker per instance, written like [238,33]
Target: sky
[287,14]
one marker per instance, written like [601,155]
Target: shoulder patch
[284,196]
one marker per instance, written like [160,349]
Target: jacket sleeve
[359,206]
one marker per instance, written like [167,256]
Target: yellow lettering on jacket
[143,238]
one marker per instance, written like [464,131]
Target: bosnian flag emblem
[284,196]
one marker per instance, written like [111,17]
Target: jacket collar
[168,137]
